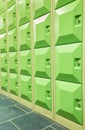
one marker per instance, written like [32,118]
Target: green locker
[43,31]
[25,37]
[42,63]
[69,62]
[43,93]
[12,17]
[4,81]
[2,6]
[3,43]
[61,3]
[12,40]
[70,30]
[26,87]
[24,14]
[3,23]
[10,3]
[13,83]
[69,101]
[13,62]
[4,63]
[25,62]
[41,7]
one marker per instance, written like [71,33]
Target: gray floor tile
[5,103]
[58,126]
[24,108]
[7,126]
[32,121]
[9,113]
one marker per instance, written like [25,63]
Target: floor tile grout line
[7,106]
[15,125]
[19,116]
[15,118]
[22,109]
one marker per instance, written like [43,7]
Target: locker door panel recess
[42,57]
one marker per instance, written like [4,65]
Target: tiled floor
[14,116]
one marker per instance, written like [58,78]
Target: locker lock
[27,5]
[48,62]
[4,21]
[16,61]
[77,63]
[77,103]
[29,89]
[6,61]
[4,41]
[47,27]
[29,62]
[48,95]
[15,39]
[6,82]
[14,15]
[28,35]
[77,19]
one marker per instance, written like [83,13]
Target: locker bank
[42,58]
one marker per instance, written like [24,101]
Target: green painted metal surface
[12,40]
[41,7]
[43,32]
[13,62]
[43,93]
[24,11]
[26,87]
[25,37]
[43,63]
[4,81]
[69,101]
[25,62]
[13,79]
